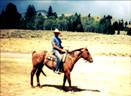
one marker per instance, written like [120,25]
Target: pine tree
[50,13]
[10,17]
[31,12]
[30,17]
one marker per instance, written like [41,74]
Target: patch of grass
[99,44]
[14,33]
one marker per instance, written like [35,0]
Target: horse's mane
[75,50]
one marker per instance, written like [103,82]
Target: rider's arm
[57,48]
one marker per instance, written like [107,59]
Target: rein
[64,56]
[79,54]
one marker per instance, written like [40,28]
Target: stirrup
[58,72]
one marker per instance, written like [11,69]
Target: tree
[39,21]
[102,26]
[129,32]
[30,17]
[2,19]
[74,23]
[89,24]
[79,27]
[121,24]
[31,12]
[109,29]
[89,15]
[129,22]
[50,24]
[126,23]
[50,13]
[10,17]
[116,26]
[105,25]
[62,22]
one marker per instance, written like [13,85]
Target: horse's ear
[83,49]
[86,47]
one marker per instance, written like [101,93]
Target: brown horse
[42,58]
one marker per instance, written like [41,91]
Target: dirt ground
[106,76]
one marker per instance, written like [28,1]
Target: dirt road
[106,76]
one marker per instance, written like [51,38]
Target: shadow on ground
[73,88]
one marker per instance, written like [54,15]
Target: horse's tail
[33,52]
[43,72]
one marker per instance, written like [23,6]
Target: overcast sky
[118,9]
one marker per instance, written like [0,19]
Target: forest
[34,19]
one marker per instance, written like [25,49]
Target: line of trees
[11,18]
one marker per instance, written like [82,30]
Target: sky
[118,9]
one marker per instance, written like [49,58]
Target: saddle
[52,57]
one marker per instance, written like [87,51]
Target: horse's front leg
[68,78]
[64,81]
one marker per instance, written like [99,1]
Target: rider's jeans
[58,57]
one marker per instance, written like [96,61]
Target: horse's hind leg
[38,74]
[32,75]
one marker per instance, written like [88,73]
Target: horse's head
[86,55]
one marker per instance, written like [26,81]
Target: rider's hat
[57,31]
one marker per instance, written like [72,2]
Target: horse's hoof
[38,85]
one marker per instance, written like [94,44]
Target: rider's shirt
[57,41]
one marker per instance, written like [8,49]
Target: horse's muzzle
[91,60]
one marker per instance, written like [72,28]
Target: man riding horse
[57,49]
[39,59]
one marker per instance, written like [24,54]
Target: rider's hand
[63,50]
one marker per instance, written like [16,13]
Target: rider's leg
[58,57]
